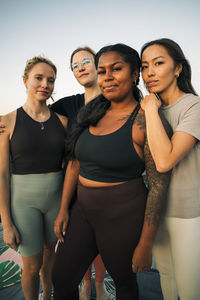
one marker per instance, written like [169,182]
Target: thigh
[29,222]
[116,245]
[164,262]
[26,214]
[32,264]
[74,256]
[117,215]
[185,244]
[50,214]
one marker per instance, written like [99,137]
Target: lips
[152,83]
[83,74]
[43,92]
[109,87]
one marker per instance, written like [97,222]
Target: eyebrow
[143,61]
[38,74]
[82,60]
[117,62]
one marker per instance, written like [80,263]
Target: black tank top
[111,157]
[34,150]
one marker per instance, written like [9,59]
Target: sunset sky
[56,28]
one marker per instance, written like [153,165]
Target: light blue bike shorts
[35,202]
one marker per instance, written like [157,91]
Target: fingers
[12,244]
[58,233]
[12,237]
[140,269]
[18,240]
[60,230]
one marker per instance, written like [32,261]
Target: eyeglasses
[85,62]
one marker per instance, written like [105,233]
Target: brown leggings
[104,220]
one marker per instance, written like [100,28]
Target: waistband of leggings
[113,187]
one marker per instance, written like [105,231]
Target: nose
[151,70]
[108,75]
[81,67]
[44,83]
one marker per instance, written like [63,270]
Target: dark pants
[104,220]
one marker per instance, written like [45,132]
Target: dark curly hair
[91,113]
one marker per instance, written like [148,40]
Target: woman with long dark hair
[167,75]
[84,70]
[114,214]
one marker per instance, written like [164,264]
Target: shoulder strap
[134,113]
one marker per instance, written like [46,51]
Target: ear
[24,80]
[135,76]
[178,70]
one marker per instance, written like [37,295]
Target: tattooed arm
[157,184]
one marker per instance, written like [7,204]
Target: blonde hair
[36,60]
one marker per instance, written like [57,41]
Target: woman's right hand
[60,225]
[11,236]
[2,126]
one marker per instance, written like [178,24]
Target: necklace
[42,125]
[35,116]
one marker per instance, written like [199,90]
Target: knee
[63,279]
[32,265]
[32,270]
[59,276]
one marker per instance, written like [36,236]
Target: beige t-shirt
[184,191]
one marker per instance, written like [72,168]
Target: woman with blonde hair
[30,196]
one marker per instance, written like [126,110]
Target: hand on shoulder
[63,120]
[7,123]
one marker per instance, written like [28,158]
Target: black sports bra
[111,157]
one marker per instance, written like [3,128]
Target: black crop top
[111,157]
[34,150]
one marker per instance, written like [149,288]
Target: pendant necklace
[42,125]
[35,116]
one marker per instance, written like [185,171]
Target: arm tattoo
[157,185]
[125,118]
[140,121]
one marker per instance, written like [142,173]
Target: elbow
[163,167]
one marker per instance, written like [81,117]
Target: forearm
[70,184]
[157,185]
[153,212]
[5,200]
[158,140]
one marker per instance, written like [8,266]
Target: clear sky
[55,28]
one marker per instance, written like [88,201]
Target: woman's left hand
[142,259]
[150,101]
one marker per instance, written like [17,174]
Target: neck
[39,107]
[170,96]
[124,105]
[91,92]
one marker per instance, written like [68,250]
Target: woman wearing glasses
[83,67]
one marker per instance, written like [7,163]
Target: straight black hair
[176,53]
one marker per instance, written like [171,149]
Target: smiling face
[40,82]
[114,77]
[84,69]
[158,70]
